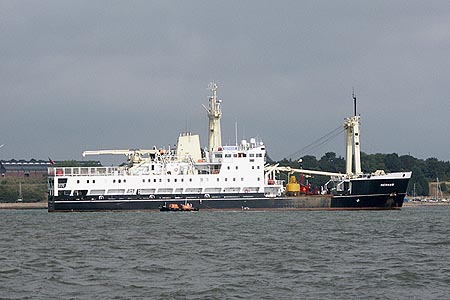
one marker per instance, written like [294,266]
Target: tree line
[424,170]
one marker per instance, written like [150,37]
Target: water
[226,255]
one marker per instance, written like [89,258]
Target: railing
[86,171]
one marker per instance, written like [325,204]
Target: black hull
[361,202]
[364,194]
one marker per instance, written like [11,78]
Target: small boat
[178,207]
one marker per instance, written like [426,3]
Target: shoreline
[416,203]
[24,205]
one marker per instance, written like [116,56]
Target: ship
[220,177]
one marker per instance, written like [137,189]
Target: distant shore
[418,203]
[24,205]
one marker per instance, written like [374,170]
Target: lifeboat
[178,207]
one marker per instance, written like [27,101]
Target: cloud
[81,74]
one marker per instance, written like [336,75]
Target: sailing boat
[20,198]
[438,193]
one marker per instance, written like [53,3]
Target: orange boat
[178,207]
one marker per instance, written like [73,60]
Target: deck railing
[86,171]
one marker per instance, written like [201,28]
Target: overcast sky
[86,75]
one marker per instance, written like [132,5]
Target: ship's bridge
[229,153]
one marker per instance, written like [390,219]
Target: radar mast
[214,115]
[352,127]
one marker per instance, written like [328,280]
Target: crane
[135,156]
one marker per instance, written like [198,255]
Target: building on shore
[23,168]
[33,168]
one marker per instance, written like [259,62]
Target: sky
[88,75]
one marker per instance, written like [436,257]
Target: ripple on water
[226,255]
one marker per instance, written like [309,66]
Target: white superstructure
[187,171]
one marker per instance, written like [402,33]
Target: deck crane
[134,156]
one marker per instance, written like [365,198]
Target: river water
[226,255]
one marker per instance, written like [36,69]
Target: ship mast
[353,145]
[214,115]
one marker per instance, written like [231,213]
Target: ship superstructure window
[93,181]
[120,181]
[88,181]
[78,181]
[252,155]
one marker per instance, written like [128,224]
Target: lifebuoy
[151,196]
[246,190]
[100,197]
[207,195]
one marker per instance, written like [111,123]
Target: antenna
[354,99]
[236,132]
